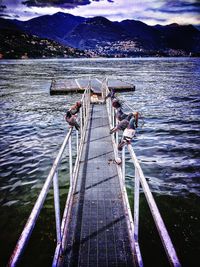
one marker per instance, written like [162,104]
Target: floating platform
[65,87]
[120,86]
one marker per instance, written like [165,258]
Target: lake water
[167,145]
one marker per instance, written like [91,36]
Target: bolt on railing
[53,178]
[140,181]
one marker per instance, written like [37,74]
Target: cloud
[68,4]
[150,18]
[178,7]
[57,3]
[2,15]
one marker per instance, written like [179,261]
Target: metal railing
[52,178]
[140,182]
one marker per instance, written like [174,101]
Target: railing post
[117,135]
[136,205]
[77,143]
[70,160]
[84,110]
[123,163]
[88,100]
[57,206]
[81,119]
[111,112]
[85,105]
[113,116]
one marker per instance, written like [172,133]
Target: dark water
[32,129]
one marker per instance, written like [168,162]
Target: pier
[97,233]
[97,226]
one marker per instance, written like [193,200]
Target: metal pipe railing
[53,178]
[141,180]
[136,204]
[57,206]
[77,144]
[123,164]
[70,160]
[64,225]
[27,231]
[121,172]
[167,243]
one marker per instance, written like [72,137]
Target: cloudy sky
[149,11]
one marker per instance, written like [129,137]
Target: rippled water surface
[168,145]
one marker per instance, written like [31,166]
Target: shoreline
[100,58]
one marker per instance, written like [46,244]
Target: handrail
[167,243]
[140,179]
[53,178]
[64,225]
[26,233]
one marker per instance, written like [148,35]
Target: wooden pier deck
[97,232]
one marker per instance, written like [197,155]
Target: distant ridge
[95,31]
[54,26]
[102,37]
[17,43]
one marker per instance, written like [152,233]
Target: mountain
[8,24]
[102,37]
[147,36]
[130,37]
[54,27]
[95,31]
[185,37]
[17,44]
